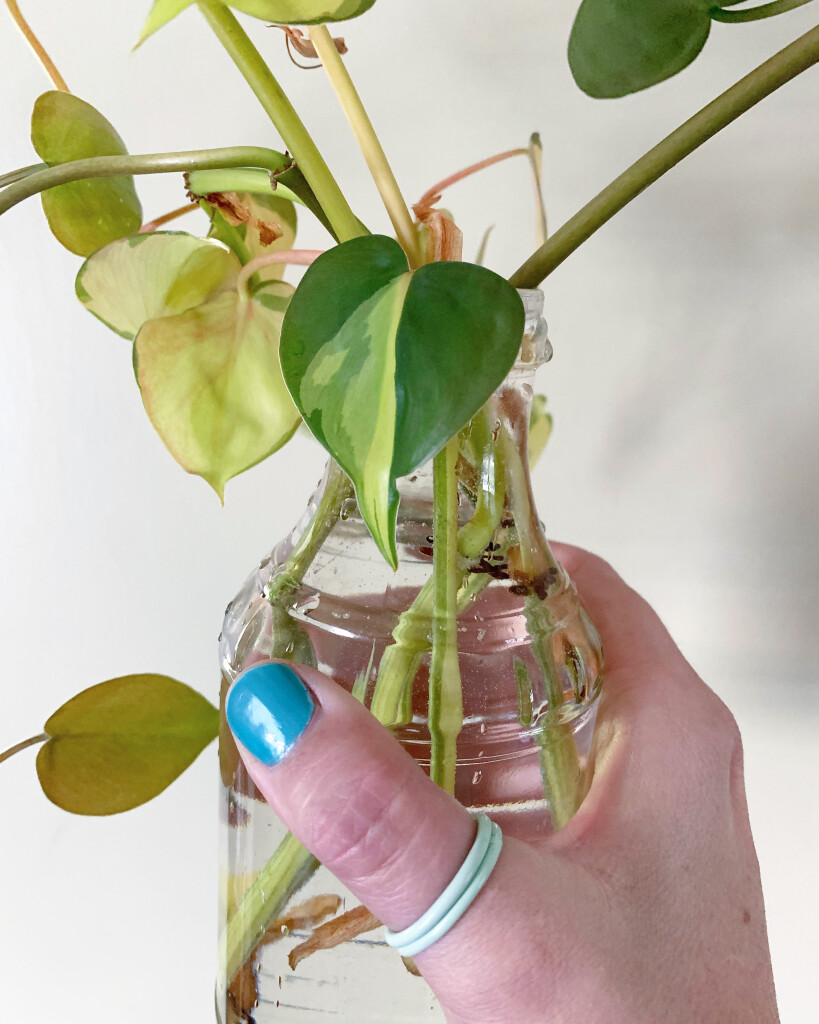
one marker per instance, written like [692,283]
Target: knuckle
[358,832]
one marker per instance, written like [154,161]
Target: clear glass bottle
[531,670]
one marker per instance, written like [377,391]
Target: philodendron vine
[374,351]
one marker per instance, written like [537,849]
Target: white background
[684,388]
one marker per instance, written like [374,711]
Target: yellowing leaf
[282,12]
[249,239]
[162,12]
[120,743]
[144,277]
[212,384]
[83,215]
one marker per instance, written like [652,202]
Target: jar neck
[499,530]
[510,404]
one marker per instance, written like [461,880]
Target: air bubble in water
[347,508]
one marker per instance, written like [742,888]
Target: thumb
[347,790]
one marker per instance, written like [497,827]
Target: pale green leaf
[162,12]
[212,384]
[540,428]
[83,215]
[302,12]
[120,743]
[154,275]
[387,365]
[280,12]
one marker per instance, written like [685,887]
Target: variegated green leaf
[212,384]
[120,743]
[386,364]
[154,275]
[83,215]
[281,12]
[251,238]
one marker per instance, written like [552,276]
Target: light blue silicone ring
[458,895]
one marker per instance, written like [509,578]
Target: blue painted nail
[267,709]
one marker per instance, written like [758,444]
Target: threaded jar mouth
[535,349]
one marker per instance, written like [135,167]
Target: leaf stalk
[755,13]
[48,64]
[149,163]
[368,141]
[750,90]
[281,112]
[31,742]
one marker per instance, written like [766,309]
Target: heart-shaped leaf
[281,12]
[83,215]
[621,46]
[120,743]
[154,275]
[212,384]
[387,365]
[251,236]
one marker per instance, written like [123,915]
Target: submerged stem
[283,115]
[445,696]
[367,140]
[767,78]
[291,864]
[32,40]
[336,491]
[286,871]
[32,742]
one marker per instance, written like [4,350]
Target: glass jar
[531,669]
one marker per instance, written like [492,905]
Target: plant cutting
[375,352]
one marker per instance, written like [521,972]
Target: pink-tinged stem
[297,257]
[152,225]
[432,195]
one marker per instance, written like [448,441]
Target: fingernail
[268,708]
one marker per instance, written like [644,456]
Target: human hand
[646,907]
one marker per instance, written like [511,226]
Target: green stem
[291,865]
[445,697]
[560,768]
[241,179]
[478,532]
[367,140]
[756,13]
[148,163]
[33,741]
[286,871]
[399,662]
[336,491]
[10,177]
[767,78]
[283,115]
